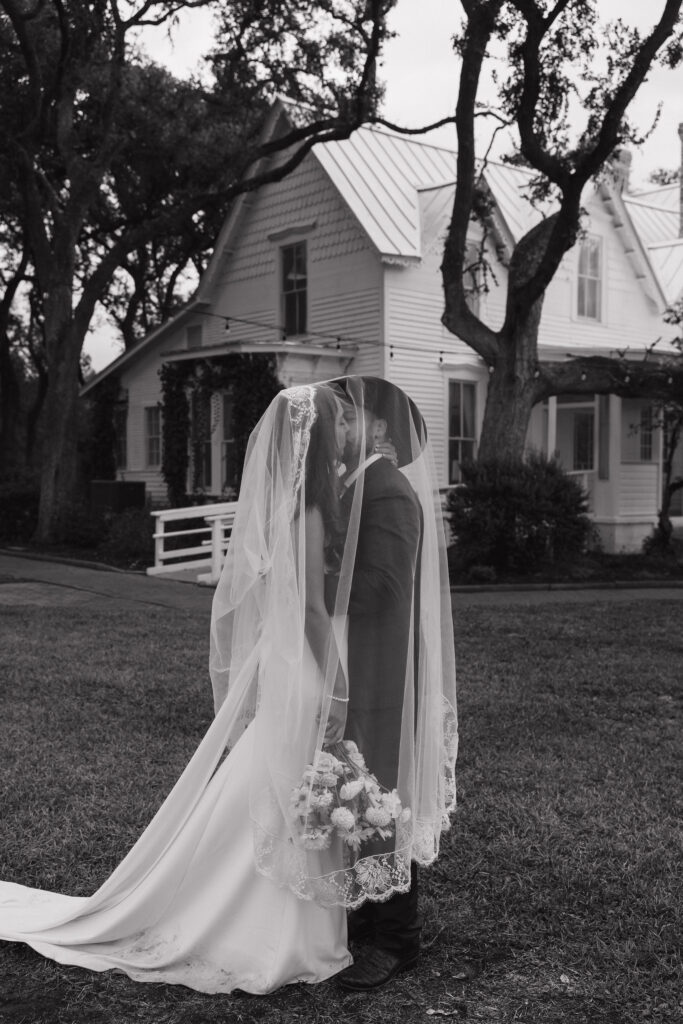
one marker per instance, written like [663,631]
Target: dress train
[186,905]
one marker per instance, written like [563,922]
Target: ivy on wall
[251,380]
[98,442]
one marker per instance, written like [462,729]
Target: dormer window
[590,278]
[294,288]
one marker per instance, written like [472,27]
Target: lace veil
[263,671]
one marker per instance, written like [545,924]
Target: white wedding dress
[186,905]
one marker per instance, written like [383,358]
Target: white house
[336,269]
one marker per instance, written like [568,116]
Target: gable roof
[655,214]
[378,174]
[400,190]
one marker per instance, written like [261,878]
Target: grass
[557,897]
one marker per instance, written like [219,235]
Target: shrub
[129,537]
[18,511]
[517,517]
[83,528]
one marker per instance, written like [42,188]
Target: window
[583,439]
[646,433]
[294,288]
[590,277]
[461,420]
[201,441]
[121,435]
[153,436]
[230,466]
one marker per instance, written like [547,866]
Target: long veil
[262,666]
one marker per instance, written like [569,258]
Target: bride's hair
[321,478]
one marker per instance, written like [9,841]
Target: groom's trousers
[395,925]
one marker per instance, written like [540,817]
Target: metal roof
[667,263]
[401,191]
[378,175]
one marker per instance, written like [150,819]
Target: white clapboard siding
[638,490]
[142,384]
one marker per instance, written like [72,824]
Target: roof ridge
[666,245]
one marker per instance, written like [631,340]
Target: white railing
[206,541]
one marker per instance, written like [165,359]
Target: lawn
[557,897]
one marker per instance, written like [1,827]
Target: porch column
[551,439]
[611,491]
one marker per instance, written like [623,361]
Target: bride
[224,889]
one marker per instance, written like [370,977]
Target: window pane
[583,440]
[455,417]
[589,281]
[582,296]
[454,462]
[468,410]
[153,436]
[294,288]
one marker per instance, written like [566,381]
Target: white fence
[207,538]
[203,544]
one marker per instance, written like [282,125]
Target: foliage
[18,510]
[129,538]
[665,175]
[100,442]
[189,385]
[83,528]
[517,516]
[106,157]
[551,61]
[555,898]
[175,429]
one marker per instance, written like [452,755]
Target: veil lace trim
[301,401]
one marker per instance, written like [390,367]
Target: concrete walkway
[41,583]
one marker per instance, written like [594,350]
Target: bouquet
[338,794]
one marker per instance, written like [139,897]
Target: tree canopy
[108,193]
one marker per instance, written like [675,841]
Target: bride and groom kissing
[331,625]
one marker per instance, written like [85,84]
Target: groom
[380,614]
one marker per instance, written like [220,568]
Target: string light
[337,342]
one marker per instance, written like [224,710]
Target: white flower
[342,818]
[392,803]
[351,789]
[328,779]
[405,815]
[378,816]
[350,746]
[326,762]
[323,800]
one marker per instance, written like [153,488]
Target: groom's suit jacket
[381,614]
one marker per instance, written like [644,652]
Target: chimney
[680,186]
[621,168]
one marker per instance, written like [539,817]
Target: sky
[421,78]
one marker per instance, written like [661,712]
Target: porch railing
[192,538]
[206,530]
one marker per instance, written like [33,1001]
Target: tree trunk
[10,455]
[513,390]
[59,469]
